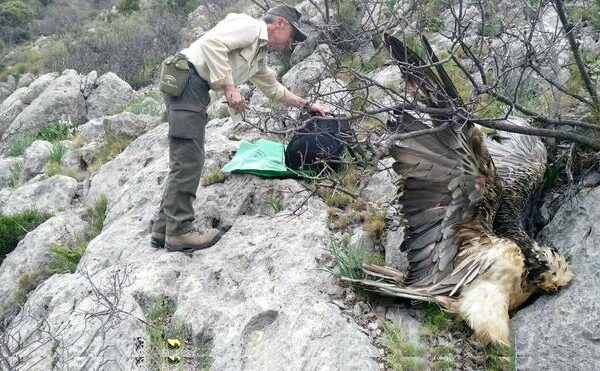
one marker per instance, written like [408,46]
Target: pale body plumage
[465,242]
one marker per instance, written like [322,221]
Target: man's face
[282,36]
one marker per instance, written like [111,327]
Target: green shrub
[15,13]
[97,214]
[128,6]
[57,152]
[149,103]
[214,176]
[14,227]
[348,258]
[18,145]
[65,259]
[16,175]
[400,352]
[110,150]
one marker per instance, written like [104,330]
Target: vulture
[464,197]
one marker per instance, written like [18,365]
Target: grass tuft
[349,259]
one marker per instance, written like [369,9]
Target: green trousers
[187,121]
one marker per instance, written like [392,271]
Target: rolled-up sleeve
[266,80]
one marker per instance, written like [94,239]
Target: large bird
[465,242]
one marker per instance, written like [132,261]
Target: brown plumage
[465,242]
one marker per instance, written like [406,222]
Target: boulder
[60,101]
[35,158]
[303,76]
[25,79]
[109,94]
[38,86]
[32,254]
[53,194]
[11,107]
[560,332]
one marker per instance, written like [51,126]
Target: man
[231,53]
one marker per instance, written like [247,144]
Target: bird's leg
[485,308]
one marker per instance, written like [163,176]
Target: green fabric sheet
[263,158]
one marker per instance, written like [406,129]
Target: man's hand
[234,98]
[316,109]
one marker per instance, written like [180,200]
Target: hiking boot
[157,240]
[193,240]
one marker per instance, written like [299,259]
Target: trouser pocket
[187,121]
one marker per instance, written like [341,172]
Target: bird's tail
[388,281]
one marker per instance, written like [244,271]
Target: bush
[130,46]
[14,227]
[15,13]
[128,6]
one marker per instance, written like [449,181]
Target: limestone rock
[35,158]
[561,331]
[53,194]
[61,100]
[109,94]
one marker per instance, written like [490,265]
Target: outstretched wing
[450,194]
[521,163]
[429,88]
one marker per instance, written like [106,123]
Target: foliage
[132,46]
[53,133]
[14,227]
[97,214]
[400,351]
[214,176]
[375,223]
[274,200]
[148,103]
[14,16]
[194,353]
[349,259]
[109,151]
[128,6]
[16,174]
[65,259]
[18,145]
[28,282]
[57,152]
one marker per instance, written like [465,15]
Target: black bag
[320,143]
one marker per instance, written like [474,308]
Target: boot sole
[157,243]
[192,248]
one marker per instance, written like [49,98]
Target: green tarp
[263,158]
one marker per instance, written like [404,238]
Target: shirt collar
[263,36]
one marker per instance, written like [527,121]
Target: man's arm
[293,100]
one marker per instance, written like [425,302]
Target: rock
[96,133]
[258,295]
[89,83]
[53,194]
[361,238]
[303,76]
[333,95]
[389,77]
[393,256]
[409,326]
[35,158]
[61,100]
[217,110]
[11,107]
[304,49]
[591,180]
[561,331]
[32,254]
[38,86]
[381,188]
[25,79]
[109,94]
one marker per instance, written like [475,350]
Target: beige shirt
[233,52]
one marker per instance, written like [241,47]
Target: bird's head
[558,272]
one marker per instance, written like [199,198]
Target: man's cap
[292,15]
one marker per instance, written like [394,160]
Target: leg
[485,308]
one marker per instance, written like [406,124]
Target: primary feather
[463,197]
